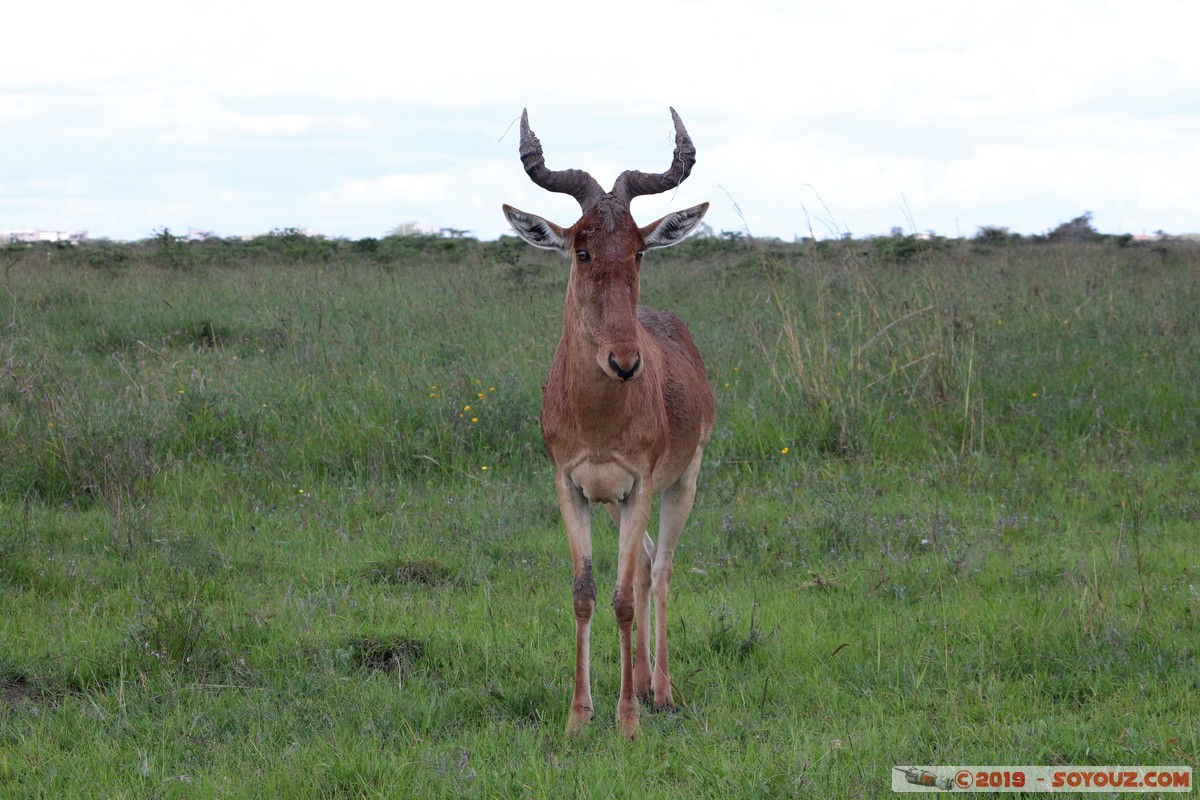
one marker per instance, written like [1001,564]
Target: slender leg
[576,518]
[641,653]
[674,508]
[641,614]
[634,513]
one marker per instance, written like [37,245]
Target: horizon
[809,120]
[200,236]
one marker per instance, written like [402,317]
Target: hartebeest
[626,410]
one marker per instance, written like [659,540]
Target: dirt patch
[384,655]
[17,690]
[425,572]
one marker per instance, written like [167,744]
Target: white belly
[603,482]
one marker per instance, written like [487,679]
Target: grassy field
[276,520]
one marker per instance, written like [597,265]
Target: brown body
[649,429]
[626,412]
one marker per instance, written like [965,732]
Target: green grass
[253,542]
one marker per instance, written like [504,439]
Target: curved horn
[575,182]
[631,183]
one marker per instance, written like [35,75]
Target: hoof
[664,700]
[631,729]
[628,721]
[642,685]
[577,720]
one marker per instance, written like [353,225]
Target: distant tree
[405,229]
[1077,230]
[994,234]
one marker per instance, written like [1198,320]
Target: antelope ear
[673,228]
[537,231]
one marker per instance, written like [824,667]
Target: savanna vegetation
[276,521]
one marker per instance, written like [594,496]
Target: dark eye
[639,255]
[581,255]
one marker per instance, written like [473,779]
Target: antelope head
[605,246]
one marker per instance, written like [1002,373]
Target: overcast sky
[351,118]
